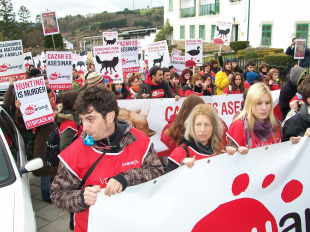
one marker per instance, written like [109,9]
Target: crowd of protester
[196,131]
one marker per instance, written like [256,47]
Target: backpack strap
[186,150]
[90,170]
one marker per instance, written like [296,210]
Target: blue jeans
[46,182]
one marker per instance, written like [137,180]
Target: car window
[9,130]
[6,171]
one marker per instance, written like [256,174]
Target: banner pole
[220,48]
[298,61]
[53,42]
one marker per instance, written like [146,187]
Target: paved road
[48,217]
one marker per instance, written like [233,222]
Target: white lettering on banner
[240,196]
[60,86]
[39,121]
[161,109]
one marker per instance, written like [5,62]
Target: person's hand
[294,105]
[189,162]
[177,97]
[18,104]
[307,133]
[270,82]
[230,76]
[295,139]
[230,149]
[144,95]
[90,194]
[219,53]
[12,79]
[113,187]
[243,150]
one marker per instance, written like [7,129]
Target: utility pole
[133,4]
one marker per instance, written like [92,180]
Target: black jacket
[296,125]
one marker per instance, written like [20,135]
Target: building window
[170,5]
[266,34]
[302,31]
[209,8]
[188,8]
[192,31]
[202,32]
[234,0]
[182,32]
[212,32]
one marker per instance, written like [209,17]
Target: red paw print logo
[30,109]
[124,61]
[54,76]
[4,68]
[247,214]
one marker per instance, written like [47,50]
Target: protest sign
[193,52]
[129,51]
[109,38]
[35,106]
[300,49]
[59,70]
[222,33]
[12,60]
[265,190]
[80,63]
[108,62]
[28,59]
[49,23]
[178,63]
[158,54]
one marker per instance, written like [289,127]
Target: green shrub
[239,45]
[113,24]
[142,23]
[278,59]
[277,50]
[251,55]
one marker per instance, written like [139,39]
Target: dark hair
[212,62]
[174,75]
[171,66]
[207,64]
[165,70]
[154,70]
[263,65]
[131,79]
[251,63]
[48,90]
[68,99]
[177,128]
[224,67]
[125,91]
[182,78]
[102,99]
[205,76]
[233,84]
[303,84]
[306,93]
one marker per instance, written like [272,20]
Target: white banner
[12,60]
[129,51]
[266,190]
[59,70]
[35,106]
[178,63]
[193,52]
[158,54]
[222,33]
[151,115]
[108,62]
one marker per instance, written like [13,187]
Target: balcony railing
[188,12]
[210,9]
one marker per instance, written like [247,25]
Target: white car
[16,212]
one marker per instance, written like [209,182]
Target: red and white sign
[153,115]
[12,60]
[28,59]
[129,51]
[110,38]
[178,63]
[59,70]
[300,49]
[49,23]
[80,63]
[108,61]
[222,33]
[266,190]
[193,52]
[35,106]
[158,54]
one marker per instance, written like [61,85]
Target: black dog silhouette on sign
[109,42]
[108,63]
[27,58]
[194,52]
[80,63]
[222,33]
[159,60]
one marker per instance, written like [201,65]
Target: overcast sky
[69,7]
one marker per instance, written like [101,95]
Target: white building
[262,22]
[68,44]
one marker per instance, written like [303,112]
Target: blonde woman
[255,126]
[202,137]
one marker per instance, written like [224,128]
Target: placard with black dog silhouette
[28,59]
[108,61]
[109,38]
[222,33]
[193,52]
[158,54]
